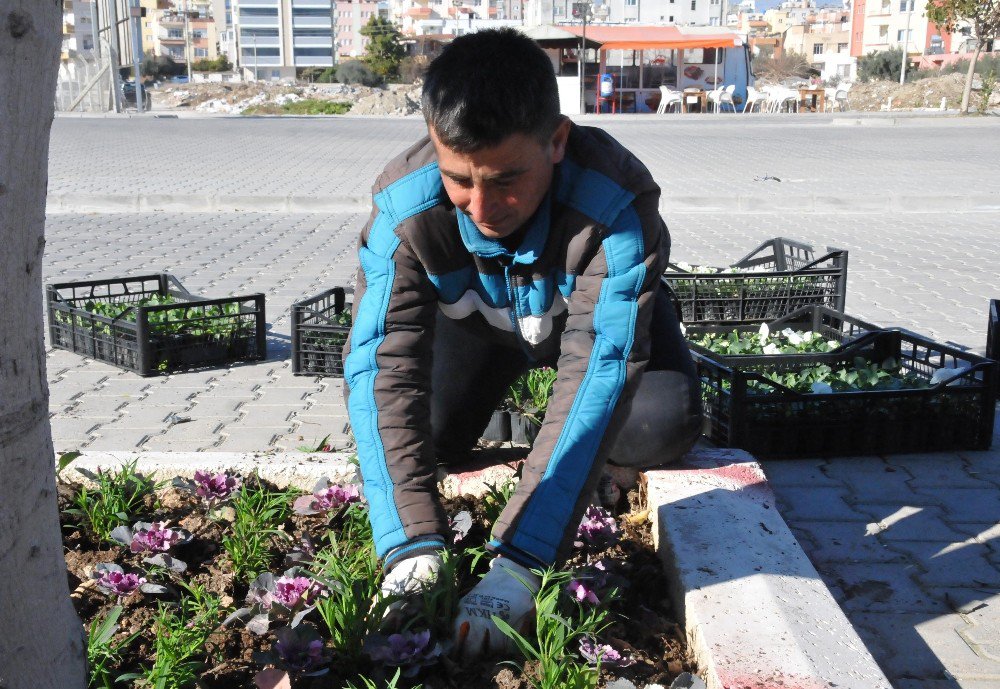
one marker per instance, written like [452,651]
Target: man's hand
[506,591]
[407,581]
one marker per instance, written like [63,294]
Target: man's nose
[481,203]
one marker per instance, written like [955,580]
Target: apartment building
[175,28]
[652,12]
[277,37]
[824,37]
[887,24]
[350,16]
[442,18]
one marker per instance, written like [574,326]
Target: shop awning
[652,37]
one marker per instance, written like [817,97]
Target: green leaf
[65,459]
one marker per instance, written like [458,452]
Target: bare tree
[983,15]
[41,642]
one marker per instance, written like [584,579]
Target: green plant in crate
[117,499]
[181,646]
[103,652]
[559,629]
[529,394]
[786,341]
[258,514]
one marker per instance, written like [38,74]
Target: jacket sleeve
[387,368]
[603,352]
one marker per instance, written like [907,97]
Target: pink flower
[603,654]
[289,590]
[119,583]
[581,593]
[156,539]
[215,487]
[335,496]
[598,527]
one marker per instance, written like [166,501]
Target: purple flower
[407,650]
[598,527]
[603,654]
[581,593]
[288,591]
[155,539]
[119,583]
[335,496]
[300,649]
[215,487]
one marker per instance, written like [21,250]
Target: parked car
[179,79]
[128,96]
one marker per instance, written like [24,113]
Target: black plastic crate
[832,325]
[155,338]
[993,333]
[320,326]
[781,276]
[745,409]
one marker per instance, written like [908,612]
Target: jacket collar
[532,245]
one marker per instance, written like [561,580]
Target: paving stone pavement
[910,545]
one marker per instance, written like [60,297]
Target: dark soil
[643,621]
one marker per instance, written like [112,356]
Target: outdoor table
[812,99]
[692,96]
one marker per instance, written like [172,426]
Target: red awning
[651,37]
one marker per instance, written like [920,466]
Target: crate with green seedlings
[820,383]
[320,326]
[771,281]
[151,324]
[228,581]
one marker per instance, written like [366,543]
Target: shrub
[219,64]
[357,72]
[782,67]
[884,65]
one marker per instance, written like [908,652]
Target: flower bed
[775,279]
[150,324]
[846,388]
[229,582]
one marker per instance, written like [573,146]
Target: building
[350,17]
[176,28]
[887,24]
[824,37]
[647,12]
[276,38]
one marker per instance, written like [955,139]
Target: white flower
[686,267]
[792,336]
[771,348]
[764,332]
[947,372]
[821,388]
[684,330]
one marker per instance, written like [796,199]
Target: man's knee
[664,422]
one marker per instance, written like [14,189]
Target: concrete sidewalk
[908,545]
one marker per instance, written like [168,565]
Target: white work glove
[404,583]
[506,591]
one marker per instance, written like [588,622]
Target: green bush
[357,72]
[878,66]
[307,106]
[219,64]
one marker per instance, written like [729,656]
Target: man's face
[501,187]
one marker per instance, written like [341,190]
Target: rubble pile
[235,98]
[917,95]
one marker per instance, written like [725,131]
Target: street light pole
[582,9]
[187,40]
[906,44]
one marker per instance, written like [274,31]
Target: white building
[649,12]
[277,37]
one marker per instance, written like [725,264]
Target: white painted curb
[756,612]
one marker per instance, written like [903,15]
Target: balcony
[312,22]
[313,41]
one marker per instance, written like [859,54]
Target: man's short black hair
[488,85]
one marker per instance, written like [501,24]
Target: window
[842,47]
[88,44]
[817,49]
[260,52]
[313,52]
[630,3]
[906,5]
[902,35]
[312,32]
[883,33]
[310,12]
[251,32]
[201,52]
[259,11]
[175,33]
[670,19]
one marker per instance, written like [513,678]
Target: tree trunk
[967,92]
[41,638]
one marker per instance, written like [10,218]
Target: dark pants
[470,377]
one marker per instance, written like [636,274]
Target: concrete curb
[756,612]
[73,202]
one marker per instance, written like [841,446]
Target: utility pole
[116,84]
[906,44]
[135,12]
[187,40]
[255,57]
[582,9]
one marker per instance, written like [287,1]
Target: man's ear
[559,138]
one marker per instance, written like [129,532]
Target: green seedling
[393,683]
[496,498]
[258,514]
[559,628]
[103,652]
[116,500]
[182,633]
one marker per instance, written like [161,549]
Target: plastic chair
[669,98]
[756,99]
[725,97]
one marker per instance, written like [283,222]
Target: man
[506,239]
